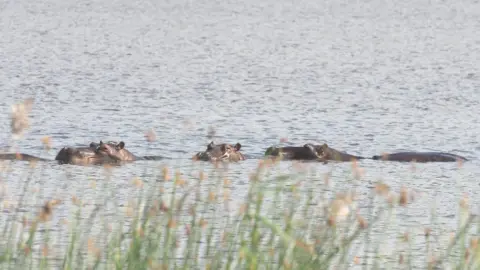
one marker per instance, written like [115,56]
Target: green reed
[184,222]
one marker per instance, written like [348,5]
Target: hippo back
[420,157]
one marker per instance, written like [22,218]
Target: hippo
[83,156]
[224,151]
[117,151]
[421,157]
[310,152]
[20,156]
[324,152]
[70,155]
[292,152]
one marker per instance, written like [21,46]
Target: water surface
[365,77]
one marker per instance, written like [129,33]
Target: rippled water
[365,77]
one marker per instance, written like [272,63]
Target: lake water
[365,77]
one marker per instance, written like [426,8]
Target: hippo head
[94,145]
[319,151]
[231,152]
[81,155]
[114,150]
[222,151]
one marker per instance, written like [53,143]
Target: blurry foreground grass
[178,222]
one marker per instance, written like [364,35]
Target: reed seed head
[382,189]
[150,135]
[403,201]
[464,202]
[474,243]
[137,182]
[362,222]
[47,142]
[20,116]
[166,176]
[427,232]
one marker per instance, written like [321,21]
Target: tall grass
[285,221]
[174,222]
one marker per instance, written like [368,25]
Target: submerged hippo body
[20,156]
[310,152]
[324,152]
[118,152]
[421,157]
[224,151]
[292,152]
[70,155]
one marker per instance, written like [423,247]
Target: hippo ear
[121,145]
[210,145]
[310,147]
[325,145]
[237,146]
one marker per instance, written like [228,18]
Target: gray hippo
[82,156]
[420,157]
[71,155]
[292,152]
[20,156]
[310,152]
[117,151]
[324,152]
[223,151]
